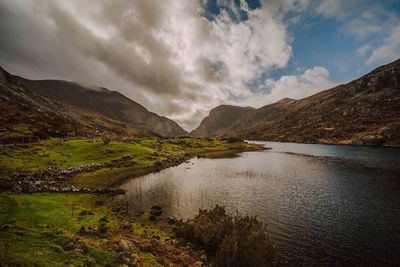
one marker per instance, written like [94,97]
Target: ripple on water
[324,205]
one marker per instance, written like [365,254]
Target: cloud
[329,8]
[165,55]
[358,18]
[364,49]
[298,86]
[389,50]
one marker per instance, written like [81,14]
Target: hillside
[221,118]
[26,114]
[105,102]
[364,111]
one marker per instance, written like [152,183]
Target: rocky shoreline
[62,180]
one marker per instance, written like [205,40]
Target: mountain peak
[364,111]
[100,101]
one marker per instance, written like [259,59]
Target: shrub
[210,227]
[106,140]
[233,139]
[246,244]
[230,240]
[103,225]
[155,212]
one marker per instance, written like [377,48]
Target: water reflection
[319,211]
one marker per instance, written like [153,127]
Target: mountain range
[54,107]
[365,111]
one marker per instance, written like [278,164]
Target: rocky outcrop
[60,180]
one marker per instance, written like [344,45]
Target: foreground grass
[36,226]
[37,229]
[141,157]
[75,229]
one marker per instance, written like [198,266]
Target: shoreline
[327,143]
[91,228]
[104,177]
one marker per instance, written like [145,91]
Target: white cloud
[389,50]
[364,49]
[298,86]
[363,25]
[329,8]
[312,81]
[359,18]
[162,54]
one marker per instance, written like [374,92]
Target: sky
[181,58]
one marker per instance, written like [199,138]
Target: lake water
[324,204]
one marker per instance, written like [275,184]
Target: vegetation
[80,229]
[139,157]
[65,229]
[41,230]
[230,240]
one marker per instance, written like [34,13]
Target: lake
[323,204]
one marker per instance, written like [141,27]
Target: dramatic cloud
[167,55]
[309,82]
[389,50]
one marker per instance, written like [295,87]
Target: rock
[103,219]
[80,251]
[6,226]
[156,211]
[69,246]
[82,230]
[127,226]
[90,262]
[126,245]
[85,212]
[103,227]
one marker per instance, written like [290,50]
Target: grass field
[45,229]
[37,229]
[144,155]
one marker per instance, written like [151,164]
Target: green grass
[41,223]
[38,157]
[144,154]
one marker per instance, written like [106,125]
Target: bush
[230,240]
[155,212]
[246,244]
[233,139]
[210,227]
[106,140]
[103,225]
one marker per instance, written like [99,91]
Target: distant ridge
[365,111]
[69,105]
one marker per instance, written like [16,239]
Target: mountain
[57,108]
[107,103]
[25,113]
[223,117]
[364,111]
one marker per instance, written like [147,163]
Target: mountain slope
[364,111]
[25,113]
[222,117]
[108,103]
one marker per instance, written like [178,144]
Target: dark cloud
[162,54]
